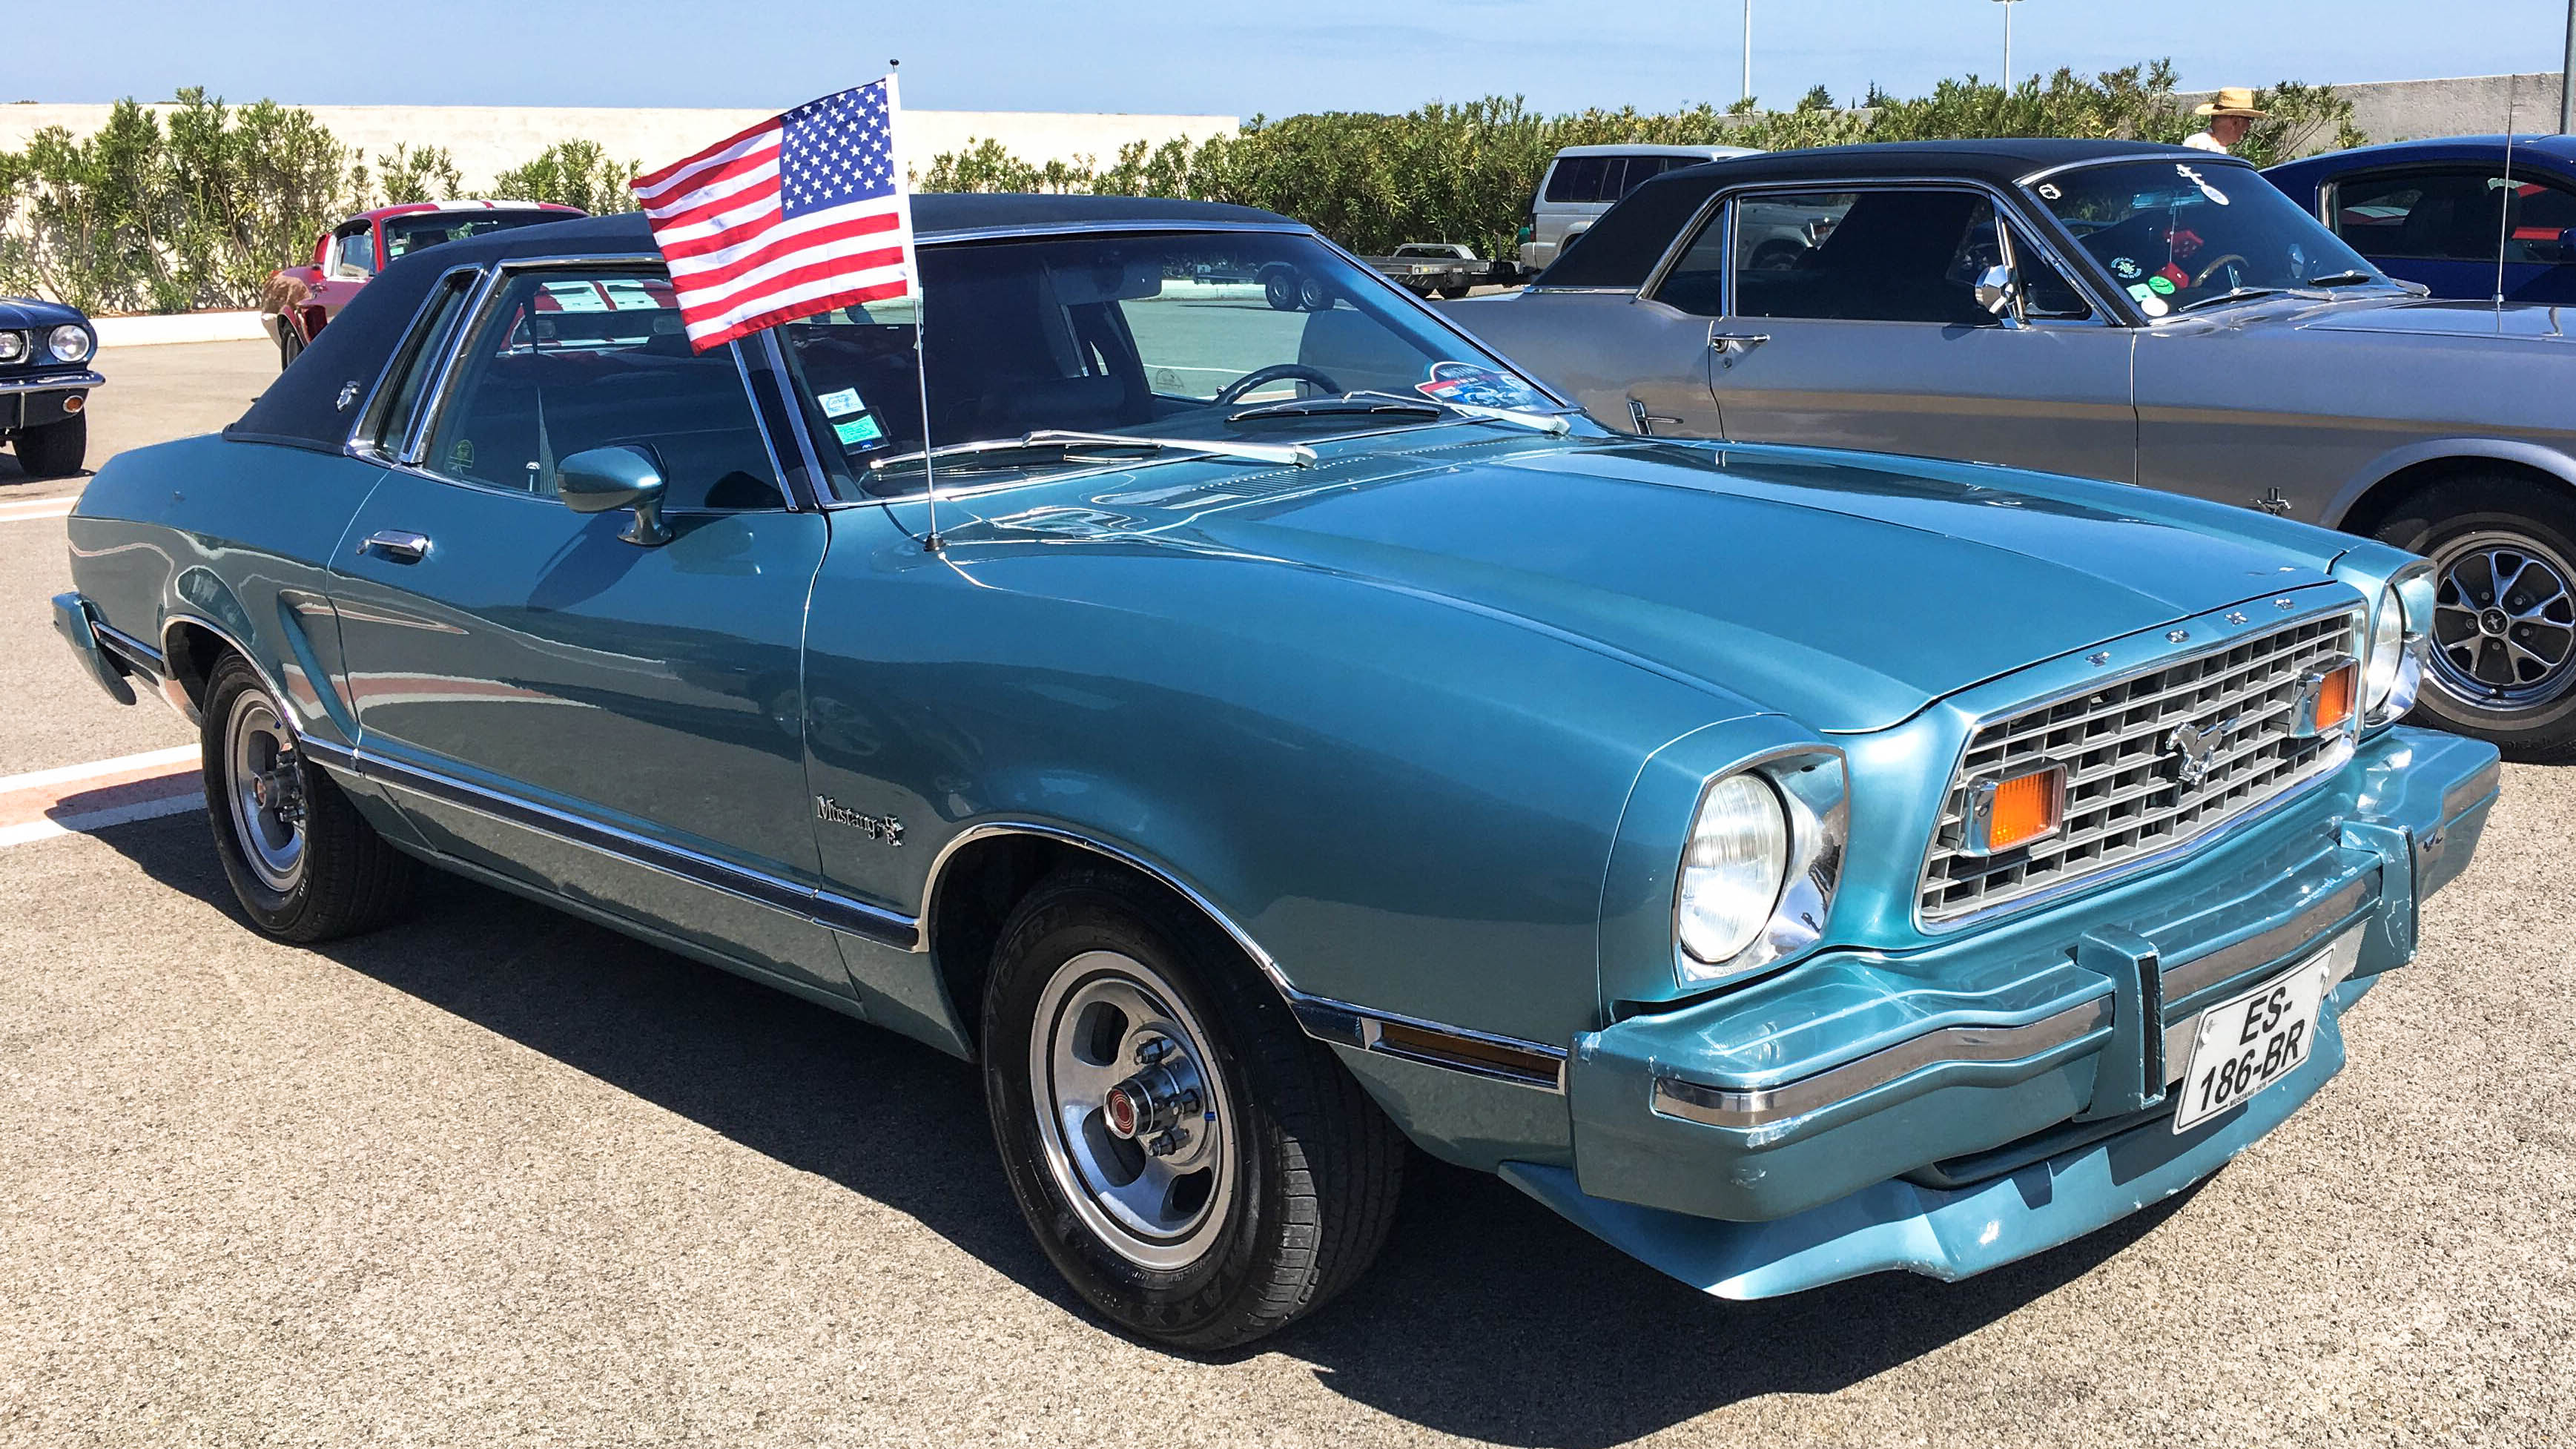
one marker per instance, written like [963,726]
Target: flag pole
[920,323]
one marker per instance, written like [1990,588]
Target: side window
[2046,295]
[355,255]
[1642,169]
[389,419]
[565,360]
[2543,215]
[1576,178]
[1908,255]
[1697,282]
[2454,215]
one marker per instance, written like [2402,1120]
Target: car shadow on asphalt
[1487,1316]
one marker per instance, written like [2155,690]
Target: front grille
[2123,800]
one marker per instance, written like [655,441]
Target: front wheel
[2502,661]
[1198,1170]
[56,449]
[304,864]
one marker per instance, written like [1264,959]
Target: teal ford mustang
[1263,738]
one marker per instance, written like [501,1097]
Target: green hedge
[193,204]
[1465,173]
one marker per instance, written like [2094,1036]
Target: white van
[1583,181]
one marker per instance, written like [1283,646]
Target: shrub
[571,173]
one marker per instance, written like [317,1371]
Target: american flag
[800,214]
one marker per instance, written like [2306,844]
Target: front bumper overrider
[1951,1109]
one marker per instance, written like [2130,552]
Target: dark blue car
[2436,211]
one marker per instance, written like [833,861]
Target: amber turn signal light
[2334,697]
[2016,809]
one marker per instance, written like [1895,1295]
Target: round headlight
[1732,870]
[13,345]
[2387,650]
[69,342]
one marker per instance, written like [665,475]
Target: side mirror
[1995,292]
[602,479]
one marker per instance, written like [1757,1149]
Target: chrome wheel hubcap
[1133,1117]
[264,781]
[2504,622]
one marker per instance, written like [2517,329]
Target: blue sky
[1227,58]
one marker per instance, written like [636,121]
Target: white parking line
[30,508]
[79,799]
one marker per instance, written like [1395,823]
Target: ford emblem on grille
[2194,749]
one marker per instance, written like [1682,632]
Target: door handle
[1731,345]
[397,545]
[1644,420]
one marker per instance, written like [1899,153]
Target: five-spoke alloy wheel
[2501,662]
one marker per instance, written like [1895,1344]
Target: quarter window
[565,360]
[2457,215]
[416,362]
[356,255]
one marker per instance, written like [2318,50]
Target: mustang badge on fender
[884,827]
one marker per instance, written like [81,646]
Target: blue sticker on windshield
[2126,269]
[861,429]
[1478,386]
[841,404]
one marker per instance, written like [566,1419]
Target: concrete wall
[2469,105]
[487,140]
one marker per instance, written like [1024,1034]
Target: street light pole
[2008,70]
[2566,77]
[1748,44]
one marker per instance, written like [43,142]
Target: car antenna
[2504,198]
[933,543]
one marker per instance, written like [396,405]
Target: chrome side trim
[1339,1023]
[134,650]
[174,688]
[1753,1107]
[1079,228]
[53,383]
[824,908]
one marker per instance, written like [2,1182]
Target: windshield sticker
[858,430]
[1479,386]
[2192,175]
[841,404]
[2125,269]
[2153,305]
[2163,285]
[2141,291]
[2049,191]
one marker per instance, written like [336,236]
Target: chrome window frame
[367,430]
[2010,219]
[434,402]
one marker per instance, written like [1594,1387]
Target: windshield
[407,234]
[1163,339]
[2178,233]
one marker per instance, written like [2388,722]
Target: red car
[299,301]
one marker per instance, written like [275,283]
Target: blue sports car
[2453,212]
[45,377]
[1266,739]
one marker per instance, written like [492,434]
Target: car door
[1849,319]
[2443,226]
[615,722]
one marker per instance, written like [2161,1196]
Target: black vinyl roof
[303,406]
[1624,245]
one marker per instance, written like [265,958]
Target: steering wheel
[2214,266]
[1226,395]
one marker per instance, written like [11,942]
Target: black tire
[1318,1167]
[347,879]
[1314,294]
[1279,289]
[289,345]
[2456,523]
[56,449]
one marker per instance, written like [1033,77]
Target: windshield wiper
[1365,402]
[1064,441]
[2346,279]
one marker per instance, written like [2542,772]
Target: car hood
[1842,590]
[27,312]
[2411,316]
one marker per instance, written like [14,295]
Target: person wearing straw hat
[2231,114]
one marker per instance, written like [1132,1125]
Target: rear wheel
[2502,664]
[1198,1170]
[56,449]
[304,864]
[1279,289]
[289,346]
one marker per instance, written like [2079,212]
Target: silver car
[1582,182]
[2147,314]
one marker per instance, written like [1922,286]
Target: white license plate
[2249,1042]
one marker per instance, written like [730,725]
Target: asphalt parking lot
[496,1176]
